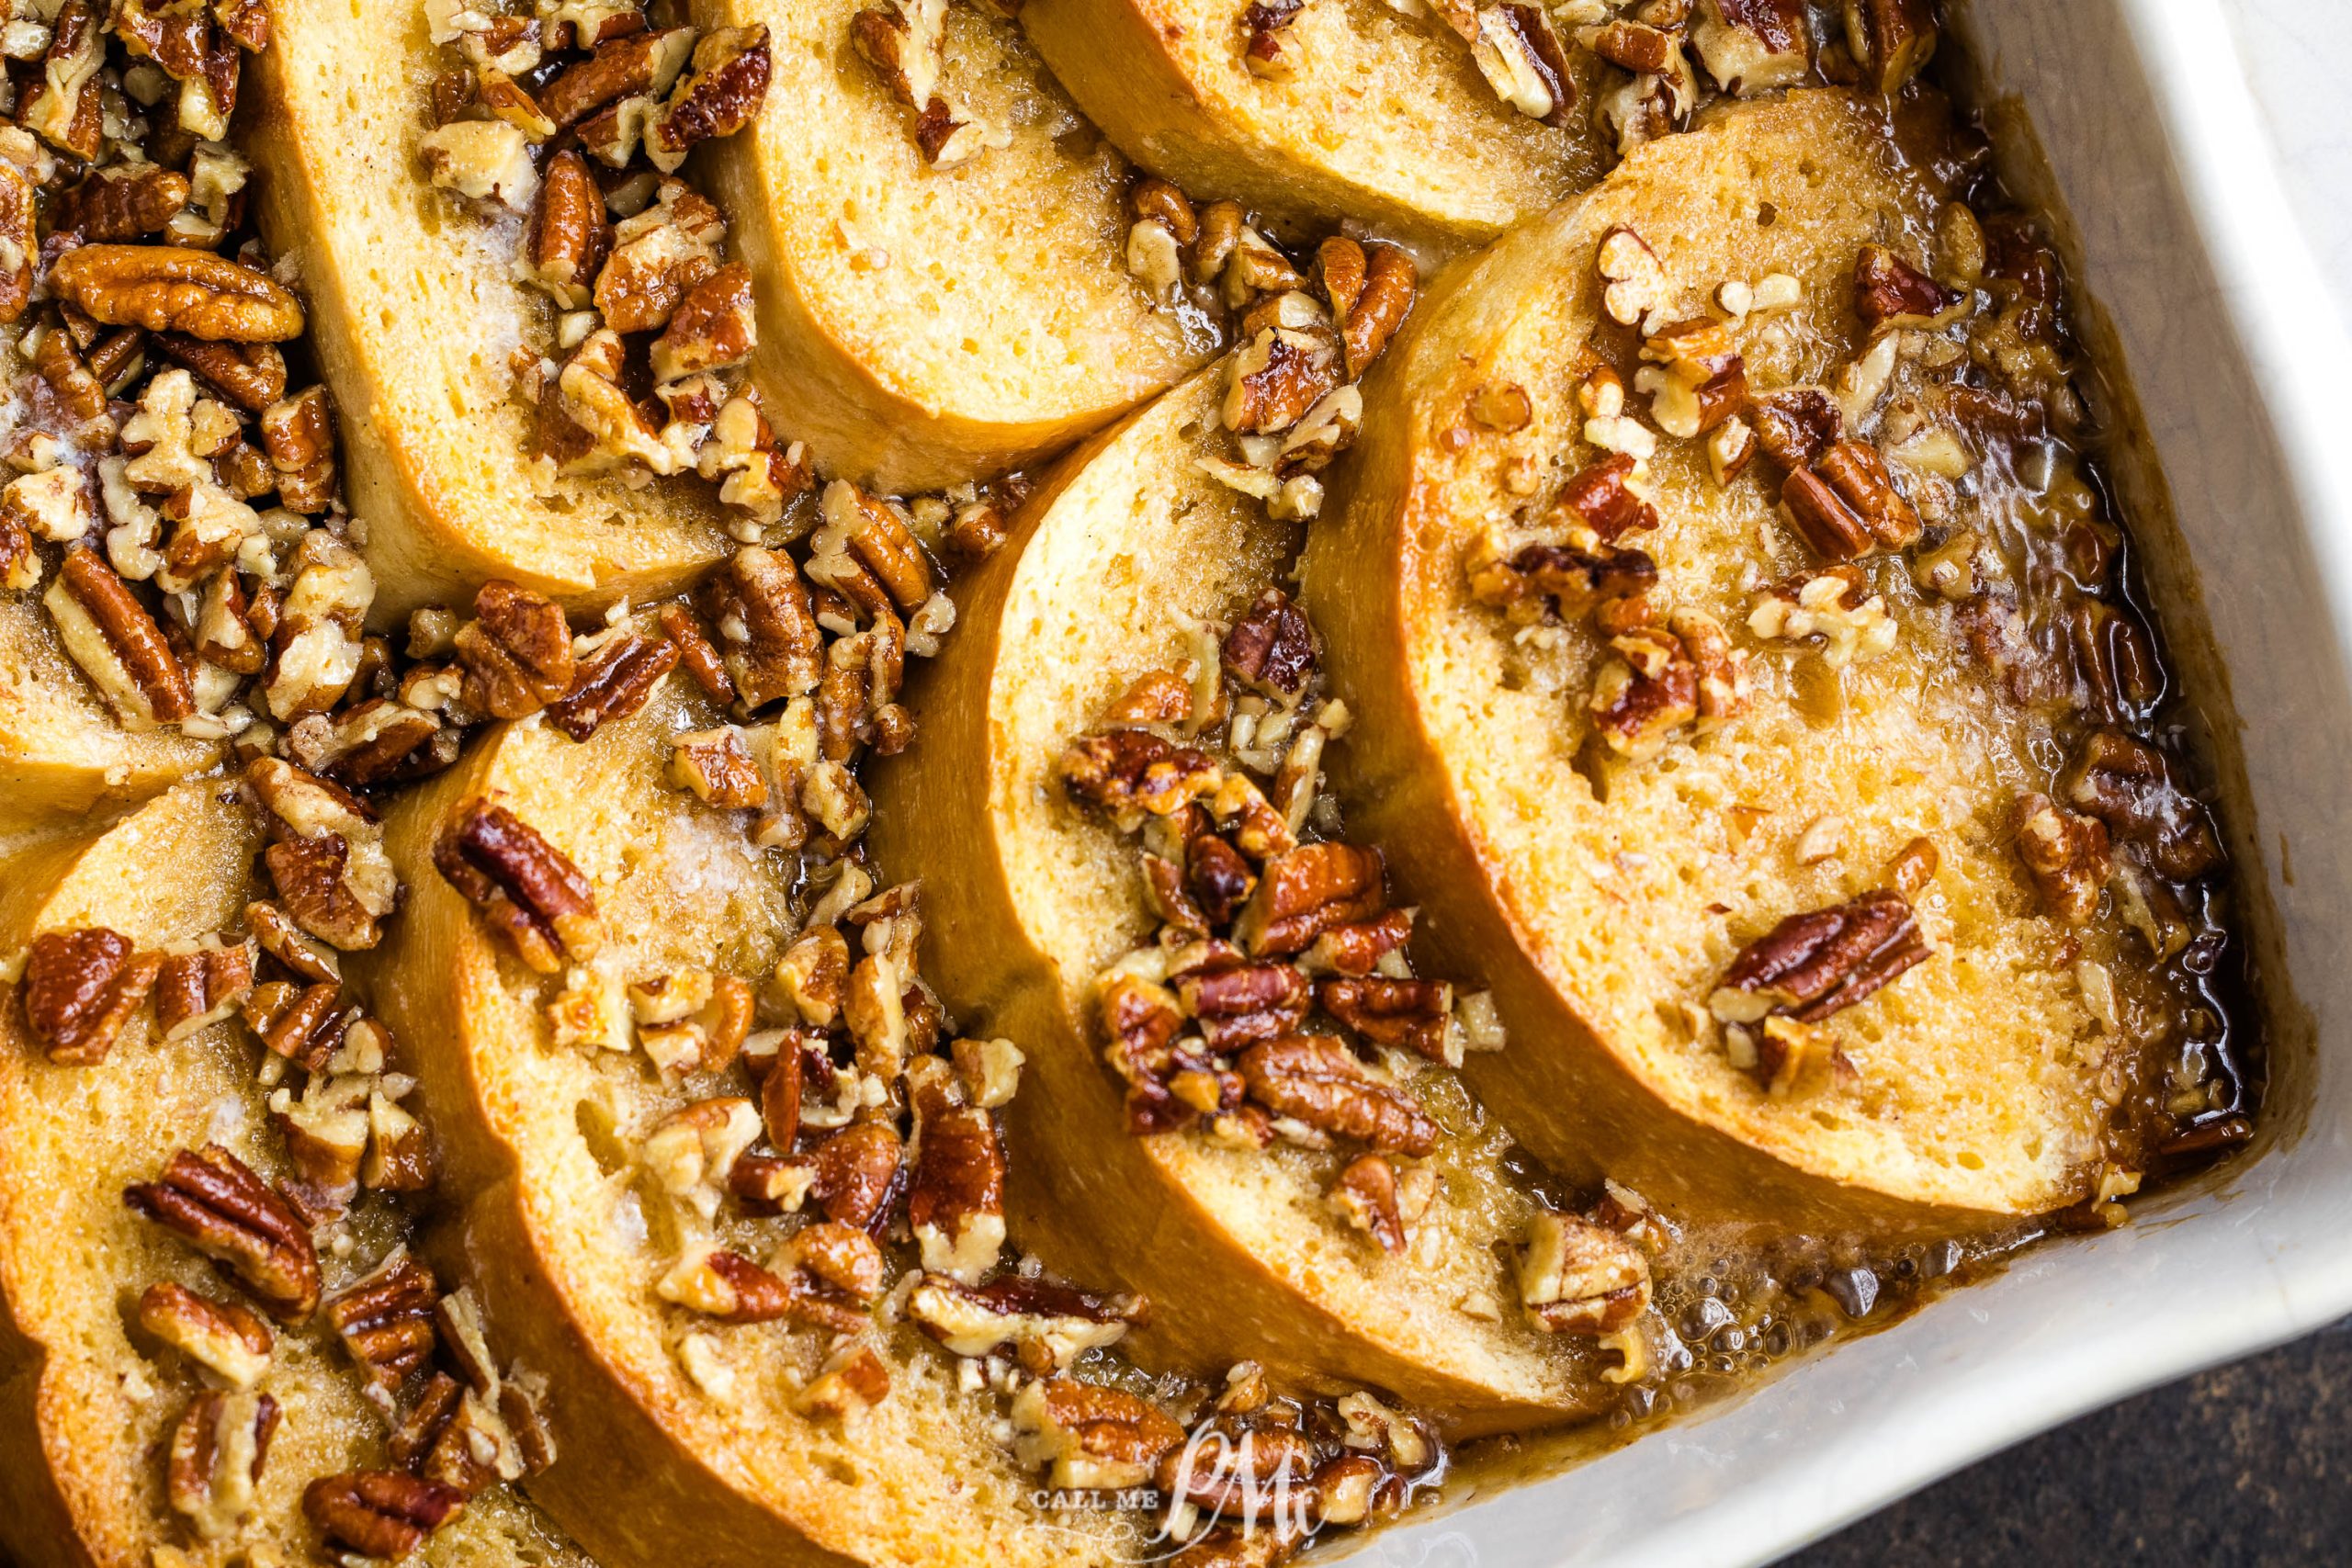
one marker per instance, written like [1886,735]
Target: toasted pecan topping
[217,1454]
[529,889]
[1813,965]
[2067,854]
[1133,769]
[615,682]
[211,1199]
[1846,506]
[386,1321]
[202,987]
[1318,1080]
[166,288]
[516,653]
[1888,289]
[79,988]
[1273,646]
[223,1337]
[1580,1278]
[1307,891]
[2127,784]
[379,1513]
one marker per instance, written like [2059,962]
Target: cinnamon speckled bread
[89,1400]
[62,751]
[1380,116]
[417,316]
[1734,976]
[673,1425]
[1114,571]
[922,323]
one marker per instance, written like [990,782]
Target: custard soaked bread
[937,245]
[160,1410]
[1729,703]
[1123,572]
[1348,109]
[707,1301]
[418,319]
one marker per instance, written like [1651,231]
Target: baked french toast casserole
[1039,781]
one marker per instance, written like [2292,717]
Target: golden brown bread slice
[1383,117]
[1108,575]
[88,1403]
[62,751]
[924,325]
[415,312]
[1605,899]
[671,1427]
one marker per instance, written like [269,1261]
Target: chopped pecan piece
[299,435]
[712,328]
[386,1321]
[637,64]
[118,644]
[1888,289]
[1318,1080]
[657,256]
[217,1454]
[79,989]
[1307,891]
[373,742]
[115,204]
[857,1174]
[1697,381]
[303,1024]
[1059,1323]
[250,375]
[379,1513]
[1846,505]
[691,1151]
[731,1288]
[529,889]
[2127,784]
[19,240]
[1601,497]
[1796,425]
[1090,1434]
[1355,948]
[212,1200]
[1752,46]
[767,623]
[1557,579]
[1218,875]
[1518,51]
[570,235]
[615,682]
[854,1382]
[1813,965]
[956,1203]
[695,650]
[1580,1277]
[63,104]
[718,96]
[2067,854]
[286,942]
[1369,320]
[1891,39]
[1273,646]
[516,653]
[1411,1013]
[1366,1196]
[327,856]
[166,288]
[1237,1001]
[1644,693]
[201,986]
[1283,370]
[1131,771]
[224,1338]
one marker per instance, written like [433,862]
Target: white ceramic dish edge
[2188,247]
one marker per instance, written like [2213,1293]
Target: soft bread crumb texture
[417,315]
[62,750]
[89,1413]
[1977,1066]
[1134,554]
[986,307]
[920,1478]
[1385,121]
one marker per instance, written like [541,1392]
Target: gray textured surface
[2242,1467]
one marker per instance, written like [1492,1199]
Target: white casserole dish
[2182,243]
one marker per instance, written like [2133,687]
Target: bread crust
[1028,898]
[923,326]
[918,1482]
[1591,1080]
[432,443]
[1387,120]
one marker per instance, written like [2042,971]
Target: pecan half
[118,645]
[1237,1001]
[529,889]
[224,1338]
[1580,1278]
[1813,965]
[956,1203]
[2067,854]
[166,288]
[1129,771]
[773,647]
[298,433]
[211,1199]
[731,1288]
[1093,1434]
[1307,891]
[1050,1324]
[1318,1080]
[857,1174]
[570,235]
[386,1321]
[1272,646]
[718,96]
[79,989]
[250,375]
[2129,785]
[217,1454]
[1411,1013]
[516,653]
[712,328]
[1640,696]
[1846,505]
[1370,321]
[327,856]
[379,1513]
[1888,289]
[614,682]
[1555,580]
[200,987]
[117,204]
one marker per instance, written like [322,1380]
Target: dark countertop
[2246,1466]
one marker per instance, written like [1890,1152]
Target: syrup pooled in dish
[757,795]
